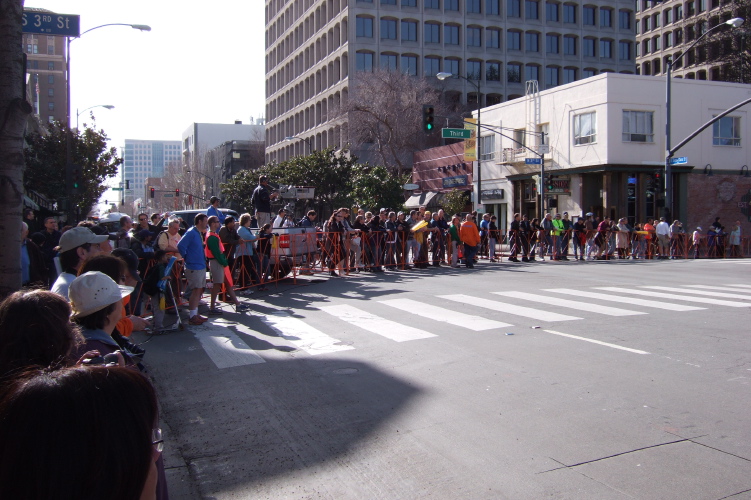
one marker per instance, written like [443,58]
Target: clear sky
[201,62]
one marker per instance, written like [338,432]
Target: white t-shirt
[62,284]
[663,228]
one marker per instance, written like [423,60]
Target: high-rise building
[664,29]
[45,66]
[316,50]
[145,159]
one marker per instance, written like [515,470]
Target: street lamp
[79,113]
[291,137]
[668,211]
[442,76]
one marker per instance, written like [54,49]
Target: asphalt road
[576,380]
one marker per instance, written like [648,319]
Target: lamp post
[68,135]
[79,113]
[668,210]
[310,146]
[478,174]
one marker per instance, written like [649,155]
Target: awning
[28,202]
[428,198]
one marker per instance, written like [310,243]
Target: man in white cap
[76,245]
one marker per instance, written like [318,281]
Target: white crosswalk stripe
[529,312]
[707,293]
[302,335]
[673,296]
[375,324]
[224,347]
[577,305]
[625,300]
[740,286]
[474,323]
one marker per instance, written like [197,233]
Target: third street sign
[49,23]
[456,133]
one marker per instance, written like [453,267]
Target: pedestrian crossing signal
[428,118]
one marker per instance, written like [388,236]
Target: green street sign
[116,189]
[455,133]
[170,195]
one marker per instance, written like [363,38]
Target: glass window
[531,72]
[551,44]
[474,37]
[551,76]
[678,12]
[432,66]
[409,65]
[487,147]
[513,8]
[606,18]
[513,40]
[587,72]
[388,61]
[51,92]
[569,13]
[569,75]
[551,11]
[51,65]
[450,5]
[606,49]
[451,34]
[364,27]
[493,72]
[727,131]
[409,31]
[569,45]
[409,3]
[585,128]
[624,51]
[492,7]
[451,66]
[588,16]
[624,20]
[388,29]
[493,38]
[432,4]
[473,6]
[702,5]
[531,42]
[364,61]
[51,106]
[588,47]
[514,73]
[638,126]
[473,70]
[51,79]
[531,9]
[432,33]
[667,17]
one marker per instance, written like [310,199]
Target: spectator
[143,248]
[261,201]
[470,236]
[76,245]
[546,237]
[356,241]
[527,238]
[281,219]
[106,245]
[514,237]
[51,241]
[696,238]
[579,237]
[735,240]
[111,412]
[145,225]
[622,238]
[650,231]
[310,241]
[33,269]
[663,238]
[155,218]
[249,263]
[334,231]
[265,237]
[30,219]
[213,209]
[123,234]
[484,233]
[168,240]
[493,238]
[230,239]
[151,287]
[677,239]
[557,233]
[191,248]
[221,273]
[565,236]
[455,239]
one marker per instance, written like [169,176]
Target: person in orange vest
[219,267]
[470,236]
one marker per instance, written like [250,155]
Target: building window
[588,16]
[388,2]
[487,147]
[606,49]
[587,72]
[637,126]
[531,9]
[409,3]
[551,44]
[513,8]
[492,7]
[702,5]
[432,66]
[364,27]
[451,66]
[474,70]
[388,29]
[551,77]
[51,106]
[513,40]
[51,92]
[569,13]
[449,5]
[551,12]
[388,62]
[606,18]
[493,72]
[409,65]
[624,51]
[624,20]
[473,6]
[667,16]
[569,75]
[474,37]
[513,73]
[588,47]
[451,34]
[432,33]
[531,42]
[364,61]
[531,72]
[51,79]
[585,128]
[51,65]
[569,45]
[727,131]
[678,12]
[432,4]
[409,31]
[493,38]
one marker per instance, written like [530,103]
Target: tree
[13,113]
[376,187]
[455,202]
[46,159]
[384,111]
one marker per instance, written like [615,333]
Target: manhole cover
[345,371]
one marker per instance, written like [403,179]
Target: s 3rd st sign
[50,23]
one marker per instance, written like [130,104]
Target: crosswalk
[332,328]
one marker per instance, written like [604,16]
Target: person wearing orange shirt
[470,236]
[648,237]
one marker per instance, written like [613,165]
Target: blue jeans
[469,255]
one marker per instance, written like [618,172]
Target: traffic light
[428,118]
[549,186]
[75,178]
[552,202]
[152,192]
[177,192]
[127,183]
[659,184]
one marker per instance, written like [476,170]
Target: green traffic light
[429,126]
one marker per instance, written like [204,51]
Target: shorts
[196,278]
[217,271]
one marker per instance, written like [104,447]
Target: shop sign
[455,181]
[491,194]
[559,185]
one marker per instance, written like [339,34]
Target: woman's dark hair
[97,320]
[35,329]
[98,445]
[112,266]
[332,219]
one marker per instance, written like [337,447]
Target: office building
[45,68]
[317,49]
[144,159]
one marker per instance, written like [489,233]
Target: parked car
[188,216]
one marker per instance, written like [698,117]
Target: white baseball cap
[93,291]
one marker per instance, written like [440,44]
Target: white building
[144,159]
[202,137]
[606,148]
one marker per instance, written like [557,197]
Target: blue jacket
[245,247]
[191,248]
[215,211]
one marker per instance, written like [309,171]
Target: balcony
[518,155]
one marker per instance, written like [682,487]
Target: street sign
[169,195]
[679,161]
[410,187]
[49,23]
[533,161]
[456,133]
[116,189]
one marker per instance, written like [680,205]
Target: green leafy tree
[455,202]
[46,161]
[376,187]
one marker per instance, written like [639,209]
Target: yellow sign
[470,145]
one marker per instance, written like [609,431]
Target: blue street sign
[49,23]
[533,161]
[679,161]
